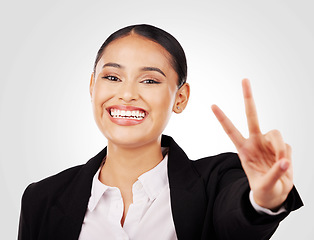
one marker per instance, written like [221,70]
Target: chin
[131,139]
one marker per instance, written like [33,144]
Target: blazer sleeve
[233,215]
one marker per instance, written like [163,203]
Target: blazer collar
[188,198]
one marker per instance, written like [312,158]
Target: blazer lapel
[187,193]
[67,215]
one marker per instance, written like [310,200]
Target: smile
[127,114]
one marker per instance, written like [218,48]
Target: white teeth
[137,114]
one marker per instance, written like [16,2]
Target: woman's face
[134,91]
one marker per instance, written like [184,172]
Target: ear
[182,98]
[91,84]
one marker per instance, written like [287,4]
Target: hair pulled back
[163,38]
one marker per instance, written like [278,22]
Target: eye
[112,78]
[150,81]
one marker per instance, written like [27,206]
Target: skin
[134,150]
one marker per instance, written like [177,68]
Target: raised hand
[265,158]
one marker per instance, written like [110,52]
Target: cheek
[100,94]
[163,103]
[99,97]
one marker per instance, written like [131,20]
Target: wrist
[264,210]
[273,204]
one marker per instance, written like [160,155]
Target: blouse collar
[153,181]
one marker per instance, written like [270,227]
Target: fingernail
[284,165]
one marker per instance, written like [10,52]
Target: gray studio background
[47,54]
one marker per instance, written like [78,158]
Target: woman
[142,185]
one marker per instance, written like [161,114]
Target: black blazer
[209,200]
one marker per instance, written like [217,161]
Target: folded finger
[277,144]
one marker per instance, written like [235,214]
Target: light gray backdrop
[47,54]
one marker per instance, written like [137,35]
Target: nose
[128,92]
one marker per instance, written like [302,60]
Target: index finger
[250,108]
[233,133]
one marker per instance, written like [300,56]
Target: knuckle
[288,150]
[276,133]
[288,147]
[275,137]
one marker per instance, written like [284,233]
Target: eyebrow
[110,64]
[116,65]
[153,69]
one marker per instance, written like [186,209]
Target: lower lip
[125,121]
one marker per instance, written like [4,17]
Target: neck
[124,165]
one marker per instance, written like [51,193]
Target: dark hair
[159,36]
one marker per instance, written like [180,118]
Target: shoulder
[213,167]
[220,162]
[57,194]
[40,196]
[220,170]
[50,187]
[179,157]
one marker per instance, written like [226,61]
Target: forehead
[136,50]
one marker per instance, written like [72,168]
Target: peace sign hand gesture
[266,159]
